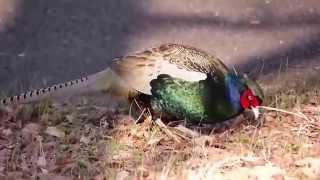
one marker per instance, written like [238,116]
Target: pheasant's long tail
[103,81]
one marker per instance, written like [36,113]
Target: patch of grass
[44,107]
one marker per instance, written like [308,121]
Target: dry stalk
[300,115]
[164,128]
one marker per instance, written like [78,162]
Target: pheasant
[174,81]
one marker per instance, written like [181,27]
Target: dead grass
[50,141]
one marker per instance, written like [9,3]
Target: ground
[84,139]
[44,42]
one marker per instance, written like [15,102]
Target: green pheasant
[173,81]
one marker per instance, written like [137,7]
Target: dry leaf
[42,161]
[84,140]
[30,131]
[54,131]
[70,118]
[31,128]
[154,141]
[6,132]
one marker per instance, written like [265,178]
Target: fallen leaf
[70,118]
[31,128]
[54,131]
[154,141]
[44,171]
[6,132]
[30,131]
[42,161]
[84,140]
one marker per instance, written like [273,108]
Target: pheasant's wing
[178,61]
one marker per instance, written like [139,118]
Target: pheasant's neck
[232,93]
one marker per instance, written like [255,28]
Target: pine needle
[300,115]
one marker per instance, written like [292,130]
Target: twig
[166,130]
[186,131]
[140,116]
[300,115]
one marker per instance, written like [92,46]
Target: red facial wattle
[248,99]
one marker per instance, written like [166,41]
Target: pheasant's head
[251,96]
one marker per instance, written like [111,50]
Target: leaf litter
[63,141]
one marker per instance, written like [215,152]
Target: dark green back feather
[204,101]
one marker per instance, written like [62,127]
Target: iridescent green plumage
[207,100]
[182,99]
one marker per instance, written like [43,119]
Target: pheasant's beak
[255,111]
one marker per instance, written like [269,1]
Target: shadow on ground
[53,41]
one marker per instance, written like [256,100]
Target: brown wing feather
[176,60]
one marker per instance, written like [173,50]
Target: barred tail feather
[43,93]
[101,81]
